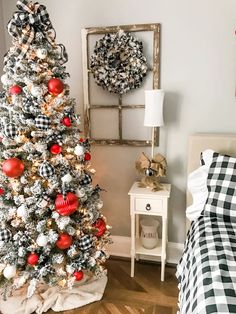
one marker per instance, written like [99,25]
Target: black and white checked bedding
[221,185]
[207,269]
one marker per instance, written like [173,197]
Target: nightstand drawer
[148,205]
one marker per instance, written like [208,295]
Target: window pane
[134,118]
[104,124]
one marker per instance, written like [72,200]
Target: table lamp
[155,167]
[153,111]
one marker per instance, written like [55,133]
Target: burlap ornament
[157,165]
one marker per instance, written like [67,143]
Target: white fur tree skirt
[54,298]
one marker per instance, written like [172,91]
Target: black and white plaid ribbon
[87,179]
[55,138]
[5,235]
[25,23]
[44,199]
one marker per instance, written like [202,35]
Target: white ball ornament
[42,240]
[21,211]
[67,178]
[80,192]
[9,272]
[99,204]
[4,79]
[36,91]
[41,53]
[79,150]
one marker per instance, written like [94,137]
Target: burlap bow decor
[30,19]
[153,169]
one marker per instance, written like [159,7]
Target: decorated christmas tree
[51,226]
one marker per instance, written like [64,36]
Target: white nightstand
[145,202]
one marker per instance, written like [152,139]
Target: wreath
[118,63]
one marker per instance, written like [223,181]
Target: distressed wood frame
[155,28]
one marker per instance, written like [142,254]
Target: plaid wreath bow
[30,18]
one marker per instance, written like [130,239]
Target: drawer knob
[148,207]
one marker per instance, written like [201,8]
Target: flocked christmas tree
[51,226]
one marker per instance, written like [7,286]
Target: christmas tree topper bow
[30,18]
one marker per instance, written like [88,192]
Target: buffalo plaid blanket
[207,269]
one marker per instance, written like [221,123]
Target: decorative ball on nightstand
[149,172]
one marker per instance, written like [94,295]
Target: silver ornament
[99,204]
[149,172]
[67,178]
[36,91]
[41,53]
[80,192]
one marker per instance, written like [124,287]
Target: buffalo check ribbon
[31,18]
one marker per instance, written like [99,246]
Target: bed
[207,269]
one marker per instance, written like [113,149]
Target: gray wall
[2,39]
[198,66]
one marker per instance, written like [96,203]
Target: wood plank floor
[144,293]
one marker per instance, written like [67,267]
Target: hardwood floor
[144,293]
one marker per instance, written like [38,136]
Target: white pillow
[197,186]
[206,157]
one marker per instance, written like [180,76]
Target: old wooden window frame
[155,69]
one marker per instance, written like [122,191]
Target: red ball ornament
[101,226]
[66,121]
[79,275]
[64,241]
[87,156]
[68,205]
[55,149]
[55,86]
[13,167]
[32,259]
[2,191]
[15,90]
[81,140]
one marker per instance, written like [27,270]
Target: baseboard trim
[121,248]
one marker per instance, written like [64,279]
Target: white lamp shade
[154,107]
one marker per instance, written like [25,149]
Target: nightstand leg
[137,233]
[132,244]
[163,253]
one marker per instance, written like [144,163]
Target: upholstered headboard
[222,143]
